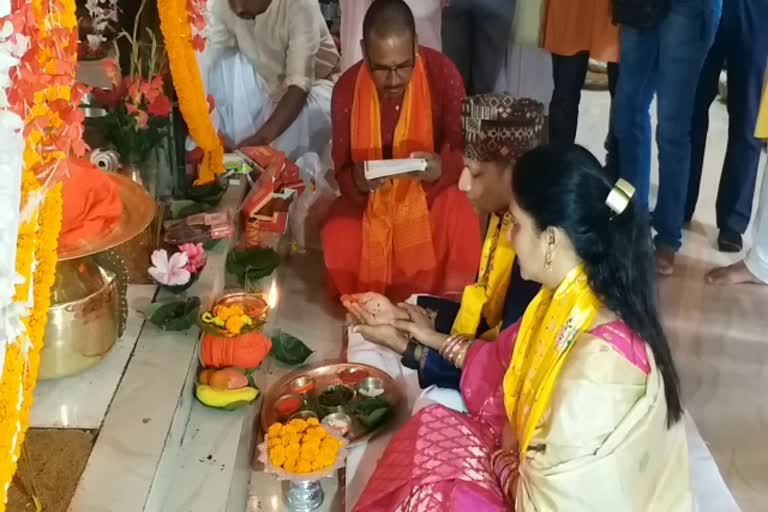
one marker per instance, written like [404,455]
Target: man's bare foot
[738,273]
[665,261]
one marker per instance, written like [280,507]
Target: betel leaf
[289,350]
[252,264]
[174,316]
[209,194]
[184,208]
[372,412]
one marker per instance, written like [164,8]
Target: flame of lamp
[273,296]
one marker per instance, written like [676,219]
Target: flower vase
[303,496]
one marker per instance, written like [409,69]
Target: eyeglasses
[402,71]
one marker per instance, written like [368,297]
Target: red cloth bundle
[92,205]
[245,351]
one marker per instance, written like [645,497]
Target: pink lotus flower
[196,256]
[170,271]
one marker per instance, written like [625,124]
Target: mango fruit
[227,378]
[225,398]
[204,377]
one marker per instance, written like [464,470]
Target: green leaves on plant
[253,264]
[289,350]
[174,316]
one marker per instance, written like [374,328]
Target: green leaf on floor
[289,350]
[253,264]
[178,315]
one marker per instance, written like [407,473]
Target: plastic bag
[308,212]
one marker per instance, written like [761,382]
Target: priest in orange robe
[412,234]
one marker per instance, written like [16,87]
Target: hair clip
[619,196]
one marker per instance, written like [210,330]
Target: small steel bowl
[304,415]
[339,422]
[330,409]
[352,375]
[302,385]
[287,414]
[371,387]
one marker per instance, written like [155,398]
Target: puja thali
[354,400]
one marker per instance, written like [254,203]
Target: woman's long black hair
[566,187]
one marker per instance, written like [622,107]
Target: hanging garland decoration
[41,92]
[177,32]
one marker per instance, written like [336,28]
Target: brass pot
[83,320]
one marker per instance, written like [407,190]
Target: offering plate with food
[354,401]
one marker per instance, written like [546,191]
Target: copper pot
[83,320]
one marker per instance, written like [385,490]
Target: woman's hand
[424,334]
[384,335]
[418,315]
[373,309]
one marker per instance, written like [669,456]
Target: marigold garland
[177,33]
[42,93]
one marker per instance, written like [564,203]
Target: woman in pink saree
[574,408]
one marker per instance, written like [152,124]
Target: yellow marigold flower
[285,440]
[289,428]
[299,424]
[330,443]
[292,451]
[277,456]
[234,324]
[275,430]
[290,466]
[304,466]
[313,422]
[309,452]
[274,441]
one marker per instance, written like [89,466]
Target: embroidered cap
[500,127]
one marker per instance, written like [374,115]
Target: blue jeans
[665,60]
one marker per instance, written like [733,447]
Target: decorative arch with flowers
[40,126]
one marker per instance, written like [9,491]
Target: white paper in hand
[377,169]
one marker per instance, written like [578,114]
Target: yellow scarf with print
[485,299]
[549,327]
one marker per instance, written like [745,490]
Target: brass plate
[138,212]
[326,374]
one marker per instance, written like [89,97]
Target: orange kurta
[454,250]
[573,26]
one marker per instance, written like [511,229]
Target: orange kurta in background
[573,26]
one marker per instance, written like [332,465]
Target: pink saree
[440,459]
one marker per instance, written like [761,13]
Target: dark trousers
[475,38]
[741,44]
[569,73]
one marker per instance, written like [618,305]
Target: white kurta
[428,14]
[757,257]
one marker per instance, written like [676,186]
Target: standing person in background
[574,31]
[743,46]
[664,58]
[427,14]
[475,36]
[754,268]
